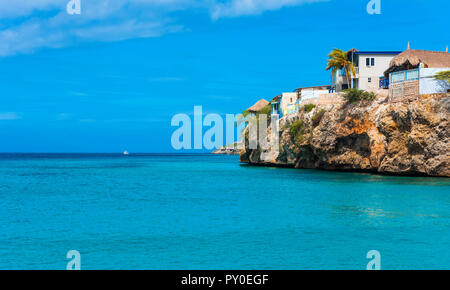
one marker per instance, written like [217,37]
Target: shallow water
[209,212]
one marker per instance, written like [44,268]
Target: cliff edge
[410,137]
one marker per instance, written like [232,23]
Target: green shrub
[297,127]
[318,117]
[297,130]
[443,76]
[300,138]
[355,95]
[245,114]
[266,111]
[309,107]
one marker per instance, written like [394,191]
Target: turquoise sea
[210,212]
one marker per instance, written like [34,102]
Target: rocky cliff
[411,137]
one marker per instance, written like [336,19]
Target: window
[370,61]
[370,80]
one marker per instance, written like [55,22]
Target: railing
[405,76]
[384,83]
[276,109]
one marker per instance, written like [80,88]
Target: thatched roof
[411,58]
[261,104]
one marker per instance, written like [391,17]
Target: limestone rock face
[410,137]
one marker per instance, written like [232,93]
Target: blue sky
[111,78]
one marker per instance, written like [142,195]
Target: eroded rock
[404,138]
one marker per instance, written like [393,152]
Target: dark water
[208,212]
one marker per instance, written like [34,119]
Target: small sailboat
[126,153]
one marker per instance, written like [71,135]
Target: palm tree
[338,60]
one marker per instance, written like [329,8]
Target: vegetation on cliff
[318,117]
[309,107]
[411,137]
[297,130]
[355,95]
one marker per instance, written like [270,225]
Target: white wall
[427,83]
[373,72]
[286,100]
[312,93]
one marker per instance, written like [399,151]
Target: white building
[370,67]
[413,73]
[313,92]
[288,103]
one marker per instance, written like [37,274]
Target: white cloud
[100,20]
[33,24]
[235,8]
[18,8]
[9,116]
